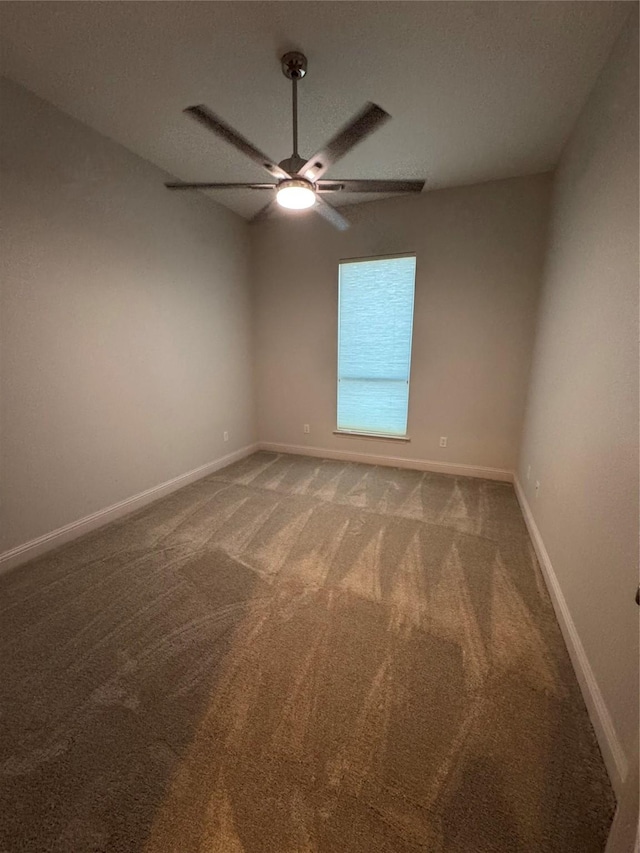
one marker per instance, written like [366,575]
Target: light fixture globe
[296,194]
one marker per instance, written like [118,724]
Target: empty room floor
[296,654]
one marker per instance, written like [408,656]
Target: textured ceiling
[477,90]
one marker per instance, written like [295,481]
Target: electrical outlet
[306,429]
[528,471]
[225,436]
[537,487]
[443,441]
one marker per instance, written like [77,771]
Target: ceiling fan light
[296,195]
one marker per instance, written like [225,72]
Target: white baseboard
[626,825]
[610,746]
[393,461]
[35,547]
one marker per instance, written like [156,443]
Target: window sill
[372,435]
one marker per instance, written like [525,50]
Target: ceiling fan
[299,182]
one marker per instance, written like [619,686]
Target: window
[375,321]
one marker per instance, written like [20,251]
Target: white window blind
[375,323]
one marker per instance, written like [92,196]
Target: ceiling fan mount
[294,65]
[299,182]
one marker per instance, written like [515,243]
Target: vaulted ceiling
[477,90]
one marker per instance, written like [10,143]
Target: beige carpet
[296,655]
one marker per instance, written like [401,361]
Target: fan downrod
[294,65]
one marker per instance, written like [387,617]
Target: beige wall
[125,324]
[581,430]
[479,254]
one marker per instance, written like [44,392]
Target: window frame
[364,433]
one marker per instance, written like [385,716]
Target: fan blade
[265,212]
[330,214]
[223,130]
[181,185]
[338,185]
[368,120]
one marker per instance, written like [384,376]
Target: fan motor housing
[292,165]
